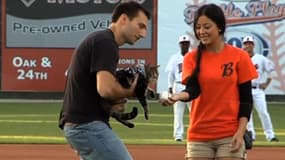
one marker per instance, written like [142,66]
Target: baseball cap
[184,38]
[248,39]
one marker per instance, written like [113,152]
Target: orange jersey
[214,114]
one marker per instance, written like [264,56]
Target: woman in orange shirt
[218,80]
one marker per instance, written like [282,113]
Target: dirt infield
[139,152]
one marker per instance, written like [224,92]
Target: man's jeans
[96,141]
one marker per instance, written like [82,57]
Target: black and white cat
[147,74]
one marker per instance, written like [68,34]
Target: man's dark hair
[131,9]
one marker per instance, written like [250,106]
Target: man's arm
[170,75]
[266,84]
[108,87]
[269,68]
[171,79]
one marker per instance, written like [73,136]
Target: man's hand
[170,90]
[263,86]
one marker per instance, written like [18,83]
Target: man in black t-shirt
[91,78]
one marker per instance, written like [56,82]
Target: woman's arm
[245,109]
[181,96]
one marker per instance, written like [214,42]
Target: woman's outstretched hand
[167,99]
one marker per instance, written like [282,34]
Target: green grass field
[36,122]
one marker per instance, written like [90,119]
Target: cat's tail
[131,115]
[125,122]
[124,117]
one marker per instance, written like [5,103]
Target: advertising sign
[38,39]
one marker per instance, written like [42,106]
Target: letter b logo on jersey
[227,69]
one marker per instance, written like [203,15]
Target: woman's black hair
[216,14]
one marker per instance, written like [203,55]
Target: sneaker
[178,140]
[274,139]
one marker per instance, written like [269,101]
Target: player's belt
[178,82]
[254,87]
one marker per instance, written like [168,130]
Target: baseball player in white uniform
[264,67]
[174,70]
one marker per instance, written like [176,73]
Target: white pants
[178,125]
[260,105]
